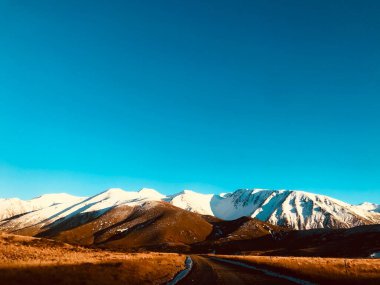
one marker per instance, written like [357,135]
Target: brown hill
[152,225]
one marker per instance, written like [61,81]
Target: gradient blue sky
[207,95]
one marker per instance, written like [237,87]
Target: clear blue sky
[207,95]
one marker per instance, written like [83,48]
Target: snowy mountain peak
[150,193]
[113,192]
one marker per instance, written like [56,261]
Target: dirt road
[208,271]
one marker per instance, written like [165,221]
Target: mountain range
[245,220]
[290,209]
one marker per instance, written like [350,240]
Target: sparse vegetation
[319,270]
[27,260]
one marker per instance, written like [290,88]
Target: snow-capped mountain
[14,206]
[371,207]
[49,211]
[293,209]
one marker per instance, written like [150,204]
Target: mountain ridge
[288,208]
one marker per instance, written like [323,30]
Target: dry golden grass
[318,270]
[26,260]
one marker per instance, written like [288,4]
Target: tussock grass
[26,260]
[318,270]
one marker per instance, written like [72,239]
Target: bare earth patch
[26,260]
[318,270]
